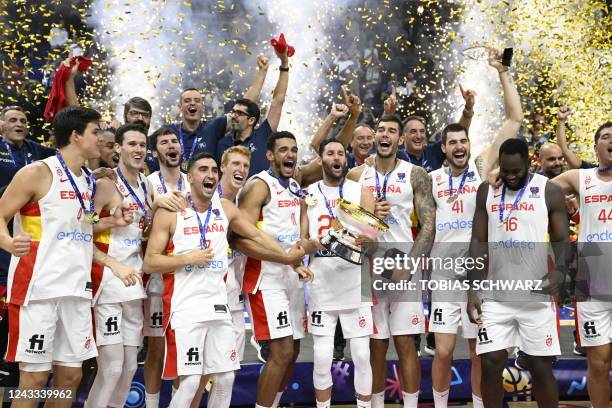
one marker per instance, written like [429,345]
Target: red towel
[57,96]
[281,45]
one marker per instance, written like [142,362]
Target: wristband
[283,69]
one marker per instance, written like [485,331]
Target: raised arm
[573,161]
[569,181]
[70,88]
[478,249]
[254,90]
[346,133]
[558,228]
[469,97]
[280,91]
[337,111]
[425,208]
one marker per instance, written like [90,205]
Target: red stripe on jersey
[97,270]
[23,275]
[30,209]
[252,270]
[170,362]
[13,333]
[577,324]
[259,317]
[167,297]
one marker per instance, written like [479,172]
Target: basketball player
[594,186]
[454,190]
[335,294]
[168,186]
[514,220]
[52,247]
[271,199]
[401,190]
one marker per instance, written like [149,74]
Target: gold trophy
[351,222]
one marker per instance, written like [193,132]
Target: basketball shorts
[446,316]
[119,323]
[51,331]
[594,322]
[530,326]
[397,318]
[238,322]
[201,348]
[355,322]
[278,313]
[153,314]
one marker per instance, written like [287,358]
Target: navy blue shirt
[29,152]
[256,143]
[586,165]
[431,159]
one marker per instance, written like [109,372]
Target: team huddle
[100,260]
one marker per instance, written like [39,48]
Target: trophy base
[336,241]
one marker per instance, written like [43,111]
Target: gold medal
[452,198]
[92,217]
[310,200]
[501,224]
[336,224]
[146,228]
[184,166]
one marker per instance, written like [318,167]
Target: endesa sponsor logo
[289,203]
[599,236]
[288,237]
[71,195]
[74,236]
[598,198]
[131,242]
[513,243]
[454,225]
[209,265]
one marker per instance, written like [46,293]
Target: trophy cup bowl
[351,222]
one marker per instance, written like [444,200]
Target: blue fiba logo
[136,396]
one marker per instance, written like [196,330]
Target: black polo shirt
[256,143]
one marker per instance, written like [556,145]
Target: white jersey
[517,247]
[337,285]
[280,219]
[595,233]
[197,293]
[61,252]
[123,244]
[402,220]
[455,206]
[160,186]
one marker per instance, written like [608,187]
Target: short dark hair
[453,127]
[252,108]
[283,134]
[417,118]
[326,142]
[392,118]
[200,156]
[164,130]
[187,90]
[122,130]
[72,118]
[138,103]
[515,146]
[599,129]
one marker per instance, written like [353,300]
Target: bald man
[551,159]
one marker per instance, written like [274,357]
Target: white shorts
[119,323]
[238,322]
[445,318]
[397,318]
[530,326]
[278,313]
[51,331]
[355,322]
[201,348]
[153,314]
[594,322]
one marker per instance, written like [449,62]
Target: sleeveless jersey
[197,293]
[337,285]
[453,219]
[61,251]
[517,248]
[402,219]
[123,244]
[595,233]
[158,187]
[280,218]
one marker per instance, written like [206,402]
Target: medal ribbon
[203,244]
[327,203]
[382,195]
[12,157]
[134,195]
[196,139]
[461,183]
[90,182]
[516,200]
[163,183]
[285,184]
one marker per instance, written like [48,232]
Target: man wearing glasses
[244,116]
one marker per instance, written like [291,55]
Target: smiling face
[551,158]
[513,170]
[284,157]
[333,160]
[192,105]
[387,139]
[168,150]
[236,169]
[133,151]
[457,149]
[15,126]
[106,145]
[415,135]
[203,177]
[363,141]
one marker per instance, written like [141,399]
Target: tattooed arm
[425,208]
